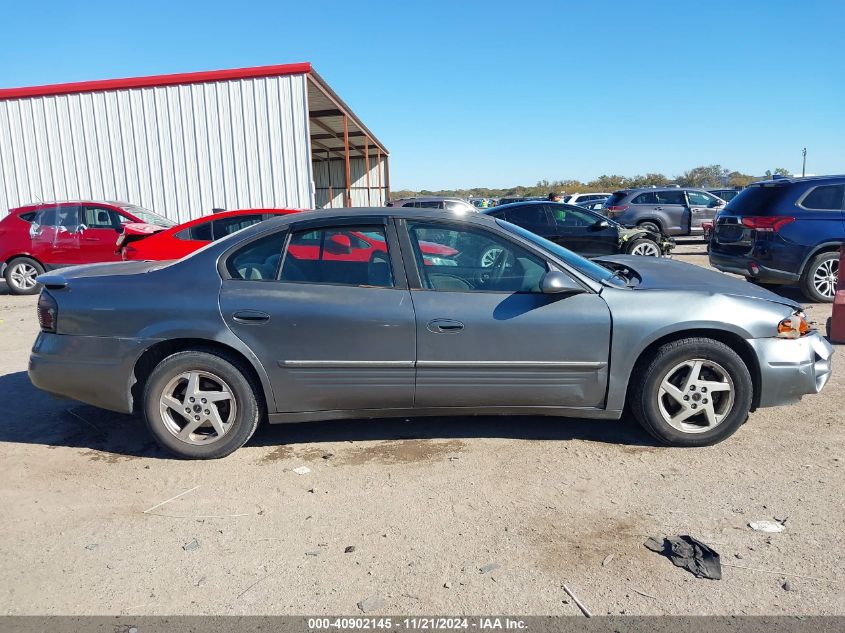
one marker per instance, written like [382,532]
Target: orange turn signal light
[795,326]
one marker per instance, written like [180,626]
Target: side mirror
[601,225]
[339,245]
[555,282]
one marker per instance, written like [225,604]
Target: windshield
[589,268]
[150,217]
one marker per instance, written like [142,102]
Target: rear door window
[531,216]
[645,198]
[671,197]
[826,197]
[226,226]
[345,256]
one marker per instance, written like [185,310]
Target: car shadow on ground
[34,417]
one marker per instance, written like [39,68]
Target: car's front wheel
[201,405]
[818,283]
[20,276]
[645,247]
[692,392]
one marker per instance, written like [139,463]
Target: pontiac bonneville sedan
[255,327]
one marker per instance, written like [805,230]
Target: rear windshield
[615,199]
[756,201]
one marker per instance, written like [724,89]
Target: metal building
[184,144]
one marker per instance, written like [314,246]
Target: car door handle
[445,326]
[658,208]
[251,317]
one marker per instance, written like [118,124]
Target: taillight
[766,223]
[618,209]
[48,312]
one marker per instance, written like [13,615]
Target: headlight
[795,326]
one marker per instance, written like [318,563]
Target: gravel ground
[446,516]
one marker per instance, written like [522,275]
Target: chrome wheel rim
[198,407]
[489,257]
[825,277]
[696,395]
[23,276]
[646,249]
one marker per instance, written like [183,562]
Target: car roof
[432,198]
[233,213]
[51,203]
[526,203]
[798,179]
[371,212]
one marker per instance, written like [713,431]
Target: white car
[581,198]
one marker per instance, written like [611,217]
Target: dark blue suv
[784,231]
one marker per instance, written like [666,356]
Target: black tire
[650,226]
[249,409]
[808,285]
[16,266]
[646,383]
[642,241]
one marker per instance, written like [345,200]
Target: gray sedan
[366,313]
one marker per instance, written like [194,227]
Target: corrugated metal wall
[333,173]
[179,150]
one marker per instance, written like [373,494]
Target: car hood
[657,273]
[61,277]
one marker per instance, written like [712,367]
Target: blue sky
[491,93]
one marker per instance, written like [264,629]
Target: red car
[39,237]
[142,242]
[145,242]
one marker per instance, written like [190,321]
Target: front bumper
[92,369]
[791,368]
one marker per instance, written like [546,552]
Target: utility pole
[804,163]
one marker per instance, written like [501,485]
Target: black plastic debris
[689,553]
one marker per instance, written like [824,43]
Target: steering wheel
[493,275]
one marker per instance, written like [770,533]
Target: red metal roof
[156,80]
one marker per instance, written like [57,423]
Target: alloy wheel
[696,395]
[23,275]
[646,249]
[825,277]
[198,407]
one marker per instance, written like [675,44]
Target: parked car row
[39,238]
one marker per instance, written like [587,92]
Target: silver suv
[668,210]
[434,202]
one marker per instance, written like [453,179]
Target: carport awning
[332,122]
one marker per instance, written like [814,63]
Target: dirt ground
[446,516]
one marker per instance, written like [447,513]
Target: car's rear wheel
[20,276]
[644,247]
[818,283]
[692,392]
[648,225]
[201,405]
